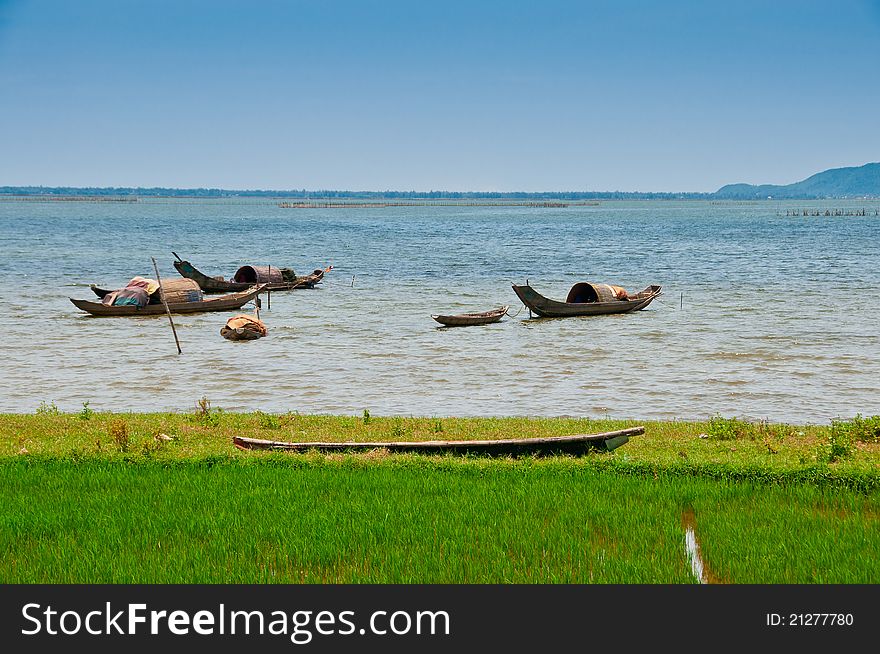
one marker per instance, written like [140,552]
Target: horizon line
[305,190]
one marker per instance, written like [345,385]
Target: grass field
[97,498]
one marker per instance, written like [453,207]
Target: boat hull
[466,319]
[577,444]
[226,303]
[212,285]
[548,308]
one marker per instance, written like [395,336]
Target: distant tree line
[121,191]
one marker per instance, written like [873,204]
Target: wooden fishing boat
[585,299]
[278,279]
[465,319]
[577,444]
[223,303]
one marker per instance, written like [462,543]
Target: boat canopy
[263,275]
[179,290]
[585,292]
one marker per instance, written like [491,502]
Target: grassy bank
[98,498]
[209,432]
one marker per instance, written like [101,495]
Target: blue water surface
[764,315]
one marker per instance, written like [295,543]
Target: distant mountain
[856,181]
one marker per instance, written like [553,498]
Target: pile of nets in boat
[136,293]
[243,327]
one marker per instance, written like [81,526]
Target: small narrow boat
[465,319]
[586,299]
[577,444]
[223,303]
[278,279]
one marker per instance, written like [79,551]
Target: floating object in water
[243,328]
[586,299]
[222,303]
[465,319]
[278,279]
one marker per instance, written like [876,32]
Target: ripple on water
[342,348]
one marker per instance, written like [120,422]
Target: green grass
[292,519]
[210,431]
[97,498]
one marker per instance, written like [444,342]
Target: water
[692,548]
[778,318]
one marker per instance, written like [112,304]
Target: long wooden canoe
[219,285]
[577,444]
[545,307]
[223,303]
[465,319]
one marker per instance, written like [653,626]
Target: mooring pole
[165,303]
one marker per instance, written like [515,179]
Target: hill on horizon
[854,181]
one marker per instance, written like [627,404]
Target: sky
[681,95]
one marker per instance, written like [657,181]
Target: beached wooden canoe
[247,276]
[577,444]
[223,303]
[585,299]
[465,319]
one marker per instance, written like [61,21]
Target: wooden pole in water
[530,308]
[681,305]
[167,310]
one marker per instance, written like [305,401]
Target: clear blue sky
[496,96]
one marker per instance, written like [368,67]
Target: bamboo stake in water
[167,310]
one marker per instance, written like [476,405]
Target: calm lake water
[764,315]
